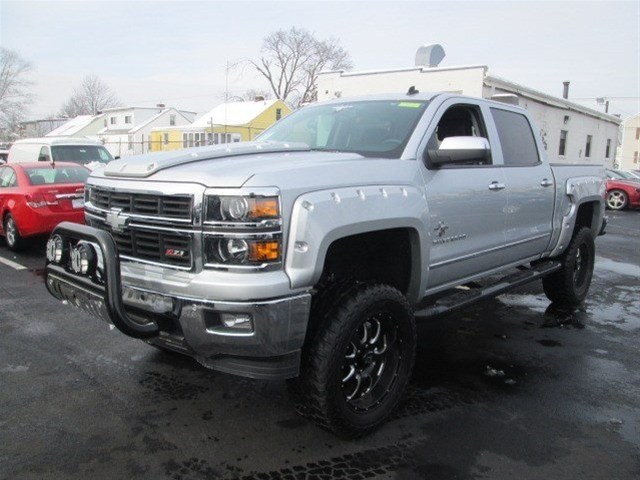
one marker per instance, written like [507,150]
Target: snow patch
[617,267]
[537,304]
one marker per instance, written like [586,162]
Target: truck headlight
[241,208]
[221,251]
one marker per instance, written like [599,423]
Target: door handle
[546,183]
[496,186]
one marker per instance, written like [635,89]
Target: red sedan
[622,194]
[35,197]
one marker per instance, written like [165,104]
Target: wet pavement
[509,388]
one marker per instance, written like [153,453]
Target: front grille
[156,246]
[168,206]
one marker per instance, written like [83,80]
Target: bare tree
[252,93]
[291,60]
[92,96]
[15,92]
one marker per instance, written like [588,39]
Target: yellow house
[227,123]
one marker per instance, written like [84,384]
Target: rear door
[529,184]
[467,202]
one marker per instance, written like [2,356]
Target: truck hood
[257,164]
[216,160]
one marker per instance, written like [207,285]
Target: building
[226,123]
[39,128]
[627,158]
[80,126]
[571,133]
[126,130]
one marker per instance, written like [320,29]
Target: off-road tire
[12,236]
[617,199]
[568,286]
[319,392]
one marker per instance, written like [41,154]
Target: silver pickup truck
[309,254]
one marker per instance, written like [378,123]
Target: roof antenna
[412,90]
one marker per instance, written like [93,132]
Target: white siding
[463,80]
[550,122]
[629,156]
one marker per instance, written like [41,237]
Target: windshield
[372,129]
[50,176]
[81,154]
[629,175]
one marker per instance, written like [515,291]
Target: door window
[460,121]
[8,178]
[516,138]
[44,155]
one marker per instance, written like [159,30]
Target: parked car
[89,153]
[622,193]
[34,198]
[622,175]
[308,255]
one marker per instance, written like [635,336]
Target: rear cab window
[516,138]
[52,176]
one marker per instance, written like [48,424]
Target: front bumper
[271,349]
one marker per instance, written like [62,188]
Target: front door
[467,202]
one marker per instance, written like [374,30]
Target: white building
[570,132]
[629,151]
[126,130]
[80,126]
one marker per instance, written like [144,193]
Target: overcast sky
[176,52]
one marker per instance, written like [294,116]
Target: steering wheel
[391,143]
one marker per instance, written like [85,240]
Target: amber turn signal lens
[264,251]
[264,207]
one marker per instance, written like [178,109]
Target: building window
[278,114]
[172,120]
[563,143]
[210,138]
[112,120]
[130,142]
[608,149]
[185,140]
[587,148]
[191,139]
[637,133]
[165,138]
[635,157]
[149,144]
[127,119]
[105,122]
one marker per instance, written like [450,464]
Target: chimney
[565,90]
[160,105]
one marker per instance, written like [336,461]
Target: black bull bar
[64,284]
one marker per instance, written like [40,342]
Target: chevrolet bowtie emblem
[116,220]
[441,228]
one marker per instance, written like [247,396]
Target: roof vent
[429,55]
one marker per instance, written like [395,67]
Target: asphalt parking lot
[510,388]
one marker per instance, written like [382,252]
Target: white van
[89,153]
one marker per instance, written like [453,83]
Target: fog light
[237,321]
[56,249]
[83,259]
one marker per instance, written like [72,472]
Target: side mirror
[458,150]
[43,158]
[117,157]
